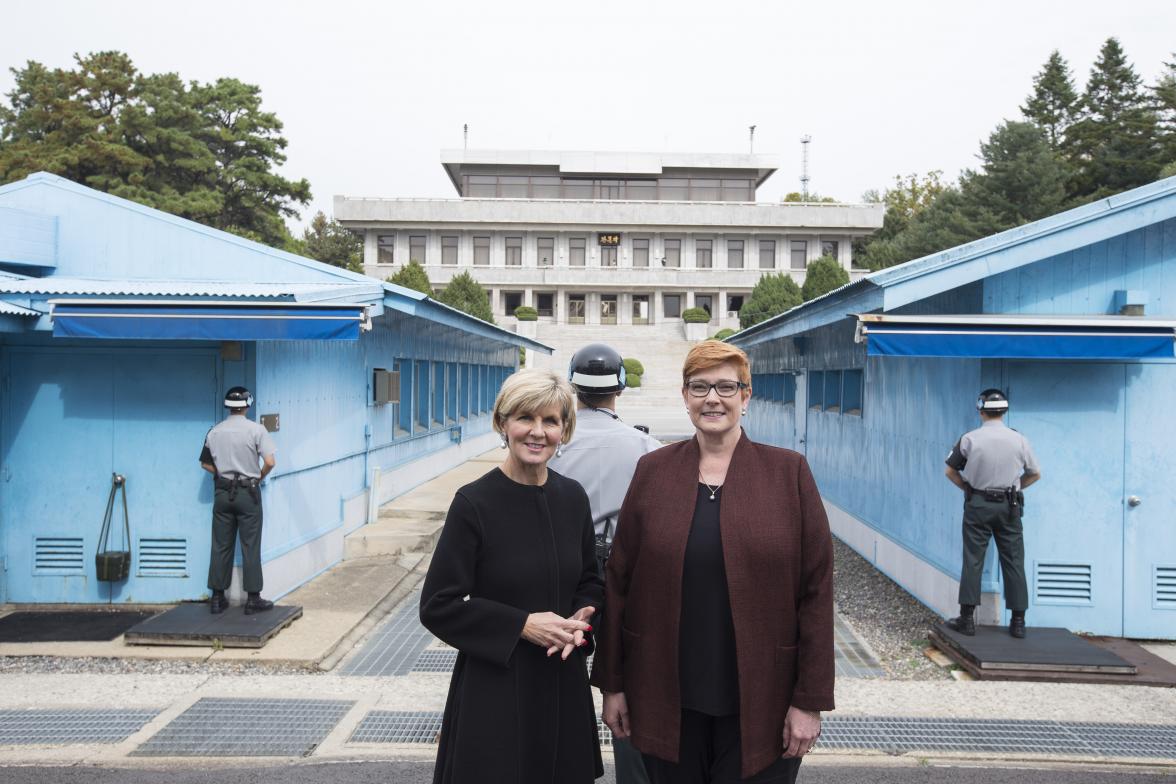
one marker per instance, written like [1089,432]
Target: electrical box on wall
[271,422]
[385,386]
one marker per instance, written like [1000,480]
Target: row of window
[836,391]
[489,186]
[436,394]
[545,304]
[578,252]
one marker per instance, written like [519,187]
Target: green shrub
[526,313]
[823,275]
[774,294]
[633,367]
[724,333]
[695,316]
[632,382]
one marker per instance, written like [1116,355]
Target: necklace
[605,411]
[712,490]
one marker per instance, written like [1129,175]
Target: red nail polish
[590,628]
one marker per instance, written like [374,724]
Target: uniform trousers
[984,519]
[708,753]
[235,514]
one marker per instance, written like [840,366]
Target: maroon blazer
[779,561]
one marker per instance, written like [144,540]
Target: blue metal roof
[12,309]
[55,286]
[918,279]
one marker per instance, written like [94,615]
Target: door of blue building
[1073,414]
[73,417]
[1149,504]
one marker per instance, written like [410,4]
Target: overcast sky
[371,92]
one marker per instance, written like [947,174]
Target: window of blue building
[438,393]
[420,400]
[851,396]
[789,389]
[833,390]
[816,389]
[402,411]
[463,391]
[452,388]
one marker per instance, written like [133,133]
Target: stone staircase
[661,348]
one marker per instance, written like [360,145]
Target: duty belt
[232,483]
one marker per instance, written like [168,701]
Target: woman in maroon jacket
[716,656]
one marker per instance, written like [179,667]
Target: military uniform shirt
[602,456]
[235,445]
[993,456]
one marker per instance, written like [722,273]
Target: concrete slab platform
[192,624]
[1043,648]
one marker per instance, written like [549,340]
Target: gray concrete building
[606,238]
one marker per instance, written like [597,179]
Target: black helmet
[597,370]
[238,397]
[992,401]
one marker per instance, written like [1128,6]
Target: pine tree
[822,276]
[329,242]
[413,276]
[1022,179]
[1165,91]
[468,296]
[1052,104]
[1113,145]
[772,295]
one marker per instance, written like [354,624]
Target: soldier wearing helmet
[602,456]
[992,464]
[232,452]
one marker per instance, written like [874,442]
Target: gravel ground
[885,616]
[891,621]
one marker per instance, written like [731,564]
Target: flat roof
[611,163]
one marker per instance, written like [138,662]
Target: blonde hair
[531,390]
[709,353]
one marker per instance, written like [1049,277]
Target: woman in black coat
[512,586]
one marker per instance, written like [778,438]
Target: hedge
[632,382]
[696,316]
[633,367]
[725,333]
[526,313]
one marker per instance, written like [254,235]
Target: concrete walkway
[74,717]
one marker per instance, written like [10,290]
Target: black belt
[996,493]
[232,483]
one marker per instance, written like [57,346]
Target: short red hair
[710,353]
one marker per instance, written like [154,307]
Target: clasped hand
[556,633]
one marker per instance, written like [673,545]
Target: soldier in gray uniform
[602,456]
[232,450]
[992,465]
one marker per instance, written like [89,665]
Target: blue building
[1074,317]
[120,329]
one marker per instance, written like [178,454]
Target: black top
[706,659]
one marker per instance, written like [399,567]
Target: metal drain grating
[435,660]
[394,646]
[895,735]
[246,728]
[851,657]
[52,727]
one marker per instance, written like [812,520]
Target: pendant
[712,496]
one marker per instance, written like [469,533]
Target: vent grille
[163,558]
[58,555]
[1164,588]
[1063,583]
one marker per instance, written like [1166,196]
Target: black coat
[513,714]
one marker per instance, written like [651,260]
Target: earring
[559,451]
[502,440]
[745,412]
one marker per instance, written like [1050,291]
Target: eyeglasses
[724,388]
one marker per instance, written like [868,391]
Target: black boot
[256,604]
[1017,624]
[218,602]
[966,622]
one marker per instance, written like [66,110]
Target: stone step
[397,532]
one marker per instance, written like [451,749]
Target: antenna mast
[751,139]
[804,170]
[465,136]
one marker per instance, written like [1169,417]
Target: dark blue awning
[1018,337]
[130,320]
